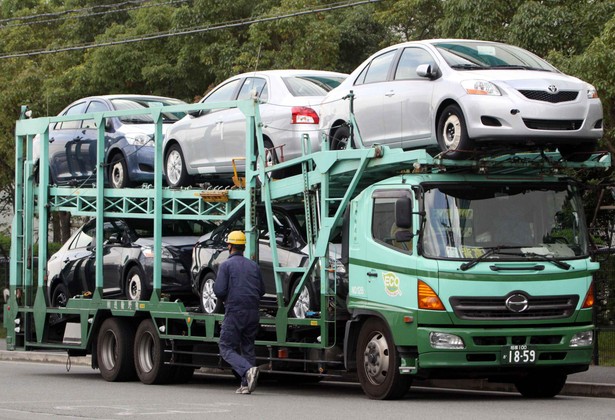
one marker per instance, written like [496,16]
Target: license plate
[518,355]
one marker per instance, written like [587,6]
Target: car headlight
[148,252]
[480,87]
[592,93]
[140,139]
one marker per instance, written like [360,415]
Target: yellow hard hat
[236,237]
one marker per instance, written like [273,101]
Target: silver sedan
[204,143]
[457,95]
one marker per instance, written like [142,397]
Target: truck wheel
[341,139]
[209,301]
[148,355]
[136,289]
[114,350]
[541,385]
[378,363]
[452,134]
[175,170]
[118,172]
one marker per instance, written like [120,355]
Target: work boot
[252,377]
[243,389]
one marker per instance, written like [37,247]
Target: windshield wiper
[469,67]
[490,251]
[517,67]
[561,264]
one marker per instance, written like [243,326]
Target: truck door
[386,272]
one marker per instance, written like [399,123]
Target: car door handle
[372,274]
[52,139]
[390,93]
[66,261]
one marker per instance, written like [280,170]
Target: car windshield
[143,228]
[468,55]
[503,222]
[311,85]
[126,104]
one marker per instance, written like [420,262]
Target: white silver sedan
[457,95]
[203,144]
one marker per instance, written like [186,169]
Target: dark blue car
[129,141]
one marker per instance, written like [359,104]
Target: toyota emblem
[517,303]
[552,89]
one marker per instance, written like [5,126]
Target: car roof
[291,72]
[126,96]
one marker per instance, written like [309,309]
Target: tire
[541,385]
[577,152]
[271,158]
[59,296]
[175,171]
[114,350]
[209,302]
[148,356]
[118,172]
[378,363]
[452,134]
[341,139]
[135,284]
[305,302]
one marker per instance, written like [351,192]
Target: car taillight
[304,115]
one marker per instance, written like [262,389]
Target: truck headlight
[585,338]
[440,340]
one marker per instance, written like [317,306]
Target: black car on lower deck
[128,255]
[291,245]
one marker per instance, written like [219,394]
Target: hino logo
[552,89]
[517,303]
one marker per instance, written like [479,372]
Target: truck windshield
[518,222]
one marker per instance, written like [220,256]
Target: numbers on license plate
[519,355]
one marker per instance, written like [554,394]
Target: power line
[82,16]
[64,12]
[227,25]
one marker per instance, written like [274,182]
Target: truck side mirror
[403,213]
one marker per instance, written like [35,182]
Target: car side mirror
[197,113]
[427,70]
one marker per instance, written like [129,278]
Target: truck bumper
[489,352]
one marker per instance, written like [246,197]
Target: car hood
[525,79]
[142,128]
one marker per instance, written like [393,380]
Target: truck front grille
[495,308]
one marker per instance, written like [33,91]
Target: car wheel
[452,134]
[305,302]
[378,362]
[209,302]
[135,284]
[59,296]
[175,168]
[271,158]
[148,355]
[577,152]
[118,172]
[541,385]
[341,139]
[114,350]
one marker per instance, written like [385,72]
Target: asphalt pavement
[598,381]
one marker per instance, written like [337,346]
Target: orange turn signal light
[589,297]
[428,299]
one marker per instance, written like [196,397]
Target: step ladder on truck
[435,278]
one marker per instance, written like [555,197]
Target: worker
[239,284]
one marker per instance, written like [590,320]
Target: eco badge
[391,284]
